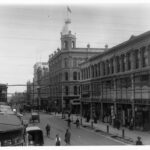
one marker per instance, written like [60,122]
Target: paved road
[79,137]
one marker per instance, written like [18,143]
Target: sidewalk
[129,135]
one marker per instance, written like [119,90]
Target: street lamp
[81,104]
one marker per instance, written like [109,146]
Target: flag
[68,9]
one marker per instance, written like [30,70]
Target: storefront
[75,106]
[124,114]
[108,112]
[142,117]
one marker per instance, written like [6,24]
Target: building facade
[3,93]
[116,83]
[37,85]
[64,71]
[43,86]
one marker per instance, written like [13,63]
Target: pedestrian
[77,123]
[58,140]
[139,142]
[67,137]
[69,123]
[131,124]
[48,128]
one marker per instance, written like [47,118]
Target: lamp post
[62,101]
[81,104]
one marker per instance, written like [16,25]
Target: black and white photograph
[74,74]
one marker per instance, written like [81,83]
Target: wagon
[35,117]
[34,136]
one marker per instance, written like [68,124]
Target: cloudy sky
[29,33]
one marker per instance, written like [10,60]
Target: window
[66,90]
[96,72]
[66,45]
[75,90]
[82,74]
[103,64]
[137,59]
[123,62]
[78,75]
[66,62]
[75,75]
[129,61]
[108,66]
[66,76]
[73,44]
[92,68]
[118,64]
[75,62]
[144,57]
[112,65]
[99,69]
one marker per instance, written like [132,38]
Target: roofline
[131,40]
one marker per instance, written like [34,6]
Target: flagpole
[67,13]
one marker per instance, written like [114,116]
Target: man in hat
[139,142]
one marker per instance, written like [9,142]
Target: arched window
[65,44]
[78,75]
[66,76]
[92,68]
[66,90]
[73,44]
[75,90]
[75,75]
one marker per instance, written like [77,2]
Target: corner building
[64,72]
[116,83]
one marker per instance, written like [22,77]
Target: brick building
[64,71]
[116,83]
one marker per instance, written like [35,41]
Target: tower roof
[66,29]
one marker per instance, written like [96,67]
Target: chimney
[88,45]
[106,47]
[69,32]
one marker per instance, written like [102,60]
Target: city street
[79,137]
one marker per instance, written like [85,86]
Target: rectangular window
[74,62]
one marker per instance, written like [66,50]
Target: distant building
[3,92]
[29,93]
[116,83]
[64,71]
[40,69]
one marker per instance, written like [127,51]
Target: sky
[30,33]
